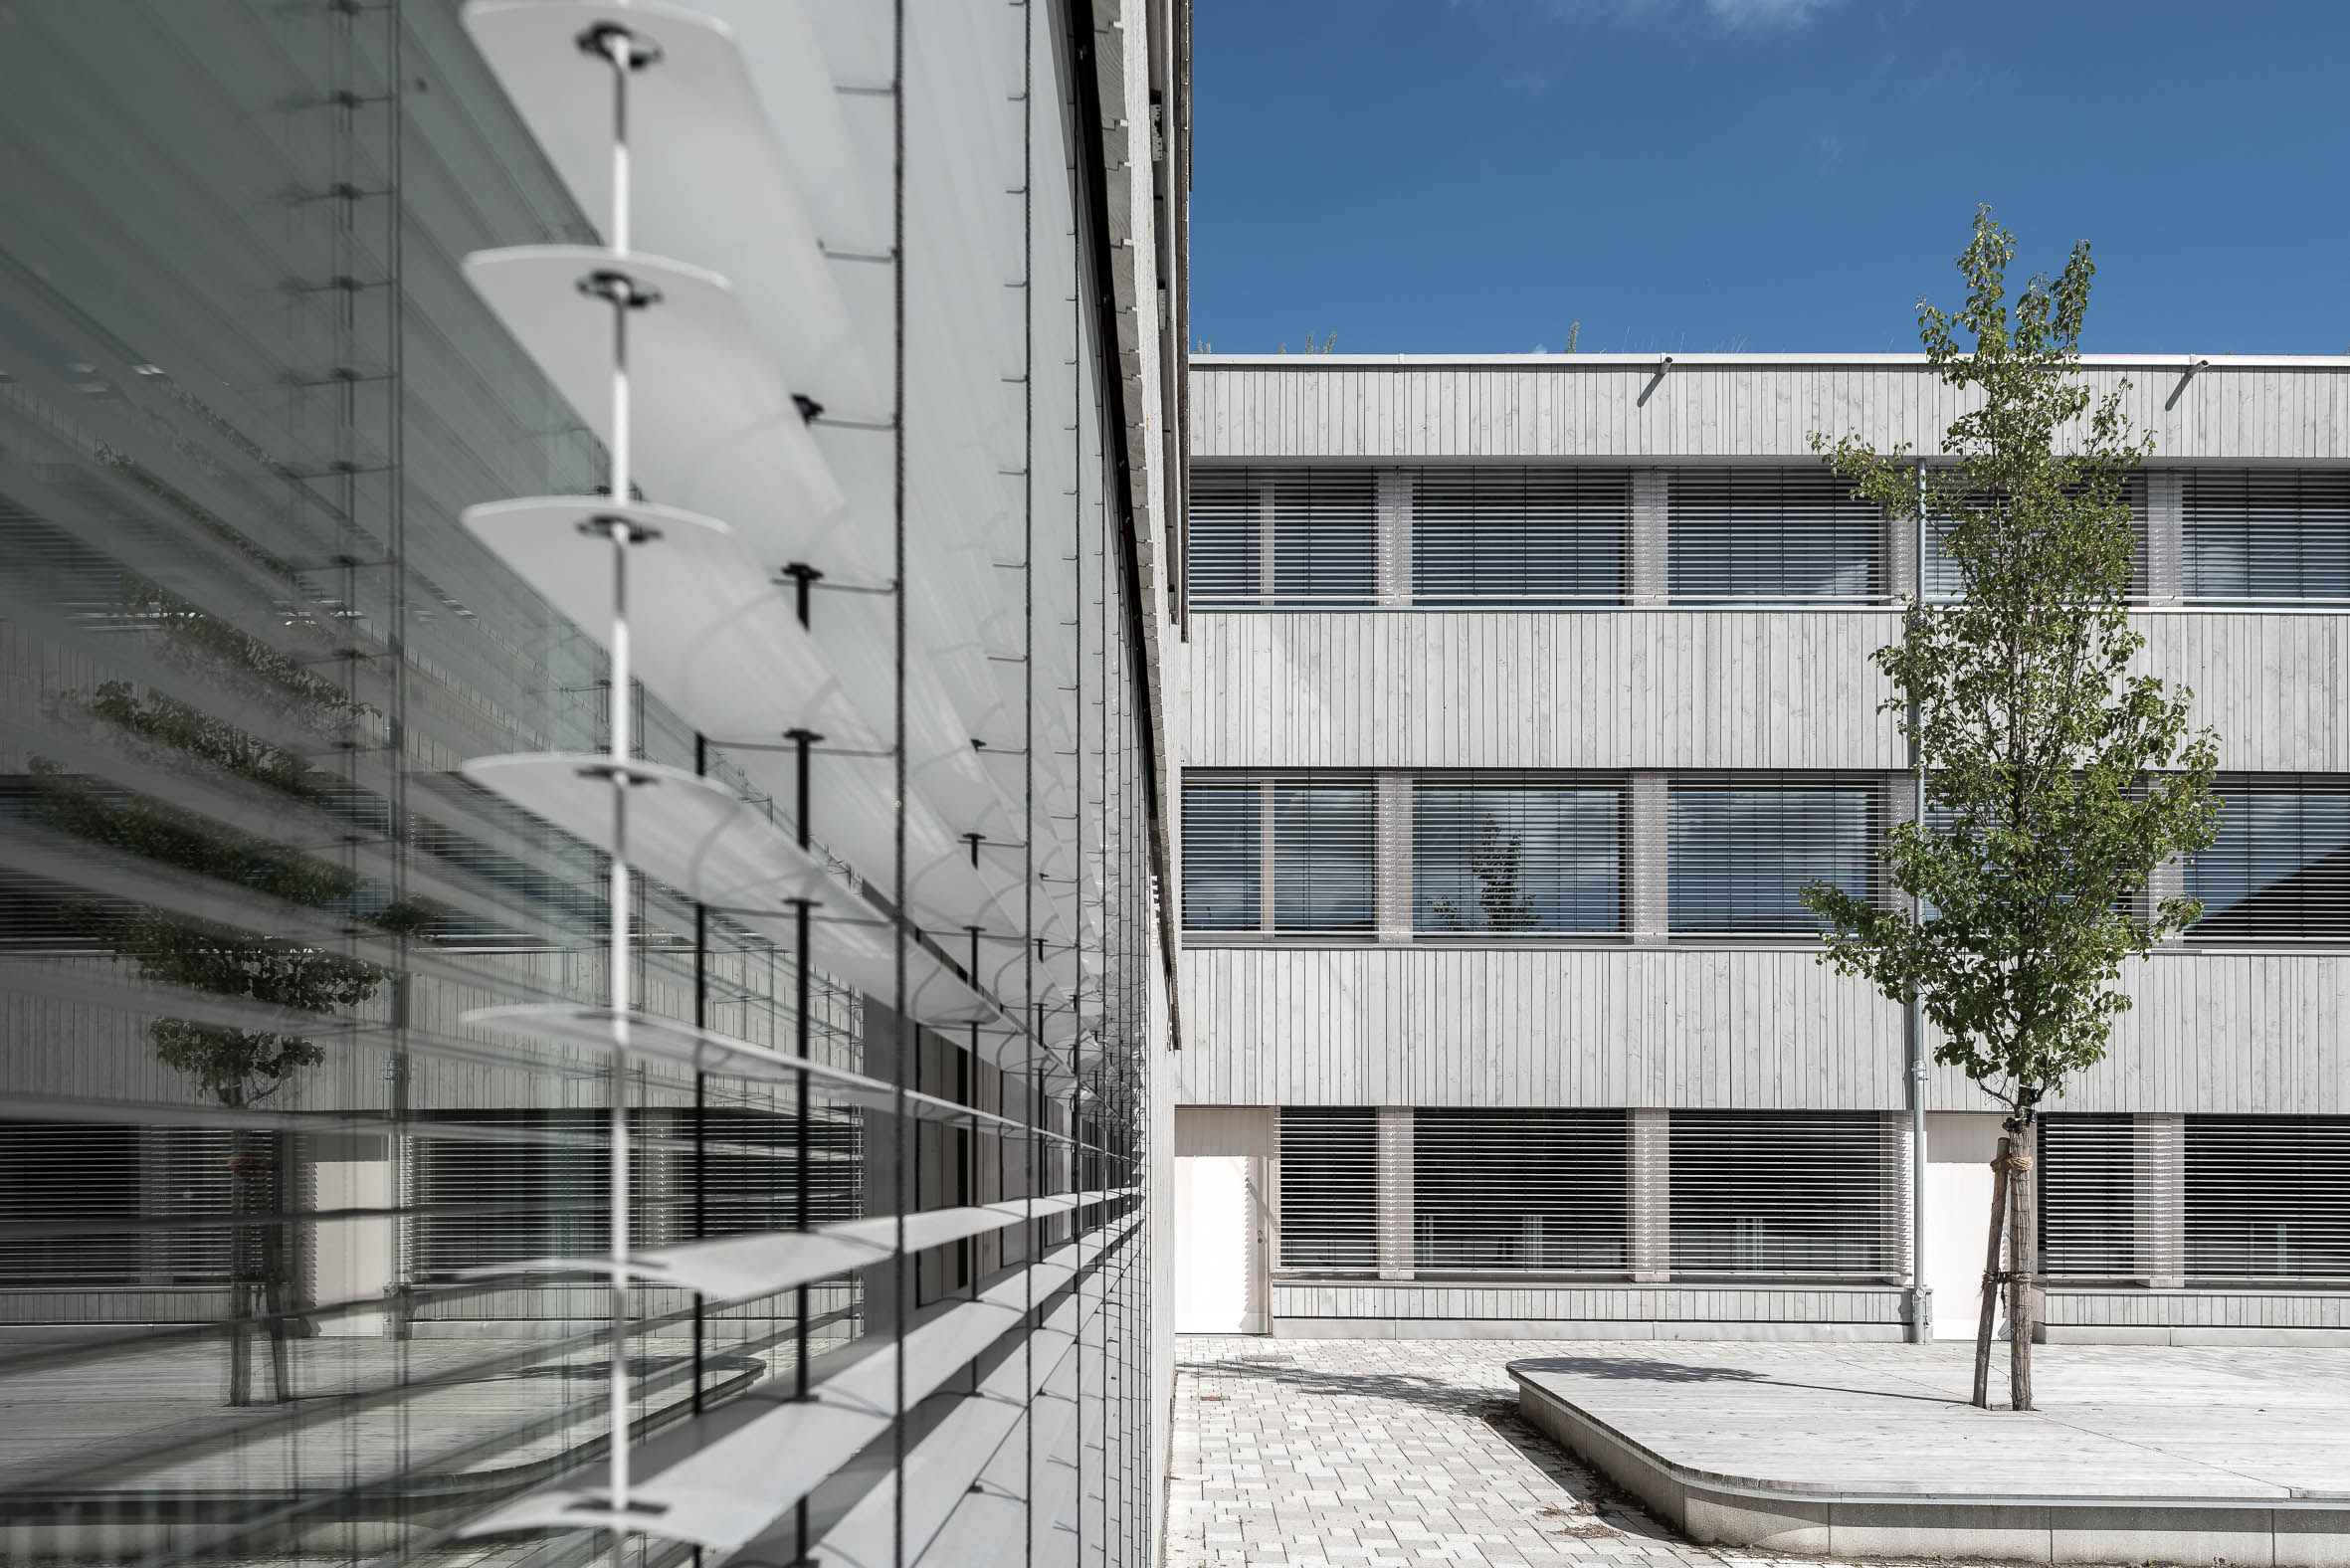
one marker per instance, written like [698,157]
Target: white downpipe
[1921,1297]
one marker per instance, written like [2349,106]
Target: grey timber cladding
[1681,689]
[1597,689]
[1764,1029]
[1428,1025]
[1617,406]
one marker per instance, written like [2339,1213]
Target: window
[1525,860]
[1740,856]
[1795,534]
[119,1205]
[2280,870]
[2264,535]
[1221,830]
[1507,1190]
[1319,858]
[1488,535]
[1262,537]
[1329,1188]
[2268,1197]
[2089,1174]
[1941,573]
[1816,1193]
[1323,877]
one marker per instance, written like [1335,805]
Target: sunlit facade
[1529,692]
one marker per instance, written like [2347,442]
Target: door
[1217,1240]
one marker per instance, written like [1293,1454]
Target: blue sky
[1764,175]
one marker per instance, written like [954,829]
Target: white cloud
[1764,13]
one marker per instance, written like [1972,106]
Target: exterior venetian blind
[1222,833]
[1282,537]
[2268,1197]
[1794,535]
[1742,849]
[1510,1191]
[2177,1200]
[113,1206]
[1329,1214]
[2095,1180]
[2280,870]
[1290,855]
[1941,573]
[1516,858]
[1788,1193]
[2265,535]
[1486,535]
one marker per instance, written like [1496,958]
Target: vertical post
[1268,545]
[1647,855]
[1651,1196]
[2158,1155]
[1394,537]
[1393,857]
[1267,904]
[2165,527]
[1395,1198]
[627,53]
[1650,574]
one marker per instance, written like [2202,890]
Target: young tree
[2056,781]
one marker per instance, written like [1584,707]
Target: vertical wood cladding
[1617,406]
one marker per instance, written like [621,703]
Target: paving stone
[1391,1454]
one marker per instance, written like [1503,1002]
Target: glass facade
[268,1189]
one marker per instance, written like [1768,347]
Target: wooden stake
[1999,1213]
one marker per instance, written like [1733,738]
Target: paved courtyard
[1350,1454]
[1347,1453]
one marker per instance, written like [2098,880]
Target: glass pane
[1772,533]
[2256,535]
[2279,868]
[1519,862]
[1221,824]
[1741,857]
[1322,877]
[1486,535]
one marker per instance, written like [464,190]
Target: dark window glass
[1273,537]
[2269,1197]
[1330,1188]
[1740,858]
[1772,533]
[1488,535]
[1528,861]
[2262,535]
[1323,877]
[1222,856]
[2280,870]
[1786,1193]
[1518,1189]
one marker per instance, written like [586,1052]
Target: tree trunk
[276,1277]
[241,1281]
[1999,1213]
[2021,1267]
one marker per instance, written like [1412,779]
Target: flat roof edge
[2178,362]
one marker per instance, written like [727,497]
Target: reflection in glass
[1506,861]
